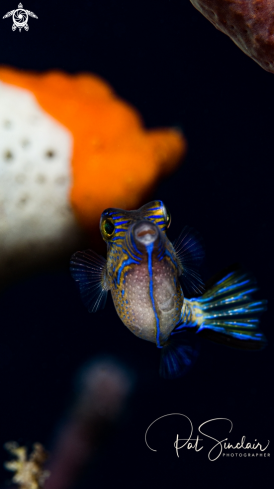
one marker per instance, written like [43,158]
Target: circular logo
[20,17]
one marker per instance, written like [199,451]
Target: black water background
[178,70]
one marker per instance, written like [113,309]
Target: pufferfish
[147,275]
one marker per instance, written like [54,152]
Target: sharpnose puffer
[147,274]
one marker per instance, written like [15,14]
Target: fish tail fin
[226,313]
[178,355]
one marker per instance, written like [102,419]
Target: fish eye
[108,228]
[167,216]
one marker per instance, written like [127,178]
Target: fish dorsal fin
[190,253]
[89,271]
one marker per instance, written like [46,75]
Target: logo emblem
[20,18]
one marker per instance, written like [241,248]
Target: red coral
[249,23]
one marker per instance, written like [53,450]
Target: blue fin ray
[89,271]
[233,282]
[230,315]
[247,308]
[237,336]
[228,300]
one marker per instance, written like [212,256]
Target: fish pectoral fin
[89,271]
[190,253]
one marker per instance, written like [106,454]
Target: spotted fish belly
[151,300]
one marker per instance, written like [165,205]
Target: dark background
[171,64]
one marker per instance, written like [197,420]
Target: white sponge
[36,218]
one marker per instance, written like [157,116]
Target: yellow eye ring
[107,228]
[168,218]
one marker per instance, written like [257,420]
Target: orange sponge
[116,161]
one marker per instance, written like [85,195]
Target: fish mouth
[145,233]
[148,231]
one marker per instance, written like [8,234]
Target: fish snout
[145,233]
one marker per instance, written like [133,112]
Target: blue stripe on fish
[119,229]
[171,258]
[132,242]
[126,263]
[149,251]
[117,216]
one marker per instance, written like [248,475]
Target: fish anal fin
[178,355]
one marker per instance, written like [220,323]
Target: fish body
[143,276]
[146,274]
